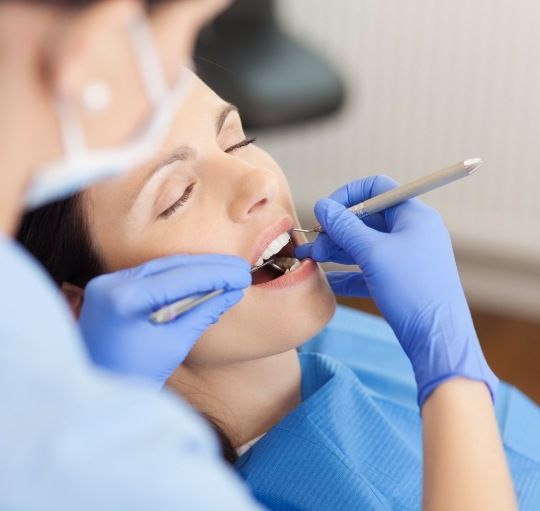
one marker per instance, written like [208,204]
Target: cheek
[174,236]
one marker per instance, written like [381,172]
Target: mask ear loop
[148,60]
[80,167]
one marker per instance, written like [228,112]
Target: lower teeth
[294,266]
[287,264]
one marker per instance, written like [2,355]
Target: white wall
[432,82]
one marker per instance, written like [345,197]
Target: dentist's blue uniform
[355,440]
[73,438]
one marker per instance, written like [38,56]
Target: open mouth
[281,250]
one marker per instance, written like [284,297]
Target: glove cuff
[445,362]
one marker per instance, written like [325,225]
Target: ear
[74,296]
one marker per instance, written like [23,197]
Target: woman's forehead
[195,119]
[199,94]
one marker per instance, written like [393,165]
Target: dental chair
[274,79]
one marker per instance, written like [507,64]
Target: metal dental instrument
[173,310]
[410,190]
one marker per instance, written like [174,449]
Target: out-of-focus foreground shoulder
[74,437]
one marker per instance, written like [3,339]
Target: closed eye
[189,190]
[244,143]
[180,202]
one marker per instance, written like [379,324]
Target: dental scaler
[402,193]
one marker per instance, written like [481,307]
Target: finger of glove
[345,229]
[167,263]
[410,214]
[208,313]
[362,189]
[144,295]
[303,251]
[323,249]
[158,353]
[192,324]
[346,283]
[174,340]
[164,264]
[376,221]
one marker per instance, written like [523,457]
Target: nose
[253,190]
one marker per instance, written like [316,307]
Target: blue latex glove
[408,269]
[114,317]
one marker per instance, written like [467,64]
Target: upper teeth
[274,247]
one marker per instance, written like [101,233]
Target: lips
[283,225]
[306,269]
[273,279]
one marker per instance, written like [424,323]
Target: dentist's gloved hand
[114,317]
[408,269]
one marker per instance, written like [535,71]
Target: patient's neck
[246,398]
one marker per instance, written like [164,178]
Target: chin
[267,322]
[304,314]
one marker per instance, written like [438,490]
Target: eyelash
[180,202]
[244,143]
[189,190]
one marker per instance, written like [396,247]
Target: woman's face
[212,191]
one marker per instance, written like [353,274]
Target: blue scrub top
[76,438]
[355,440]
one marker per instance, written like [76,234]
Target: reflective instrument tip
[473,164]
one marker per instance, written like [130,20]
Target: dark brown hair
[57,235]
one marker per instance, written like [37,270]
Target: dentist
[72,436]
[106,442]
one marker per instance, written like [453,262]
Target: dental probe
[173,310]
[413,189]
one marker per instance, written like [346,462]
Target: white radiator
[432,82]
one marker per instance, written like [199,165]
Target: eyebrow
[222,117]
[183,153]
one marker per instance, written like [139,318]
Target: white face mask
[81,166]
